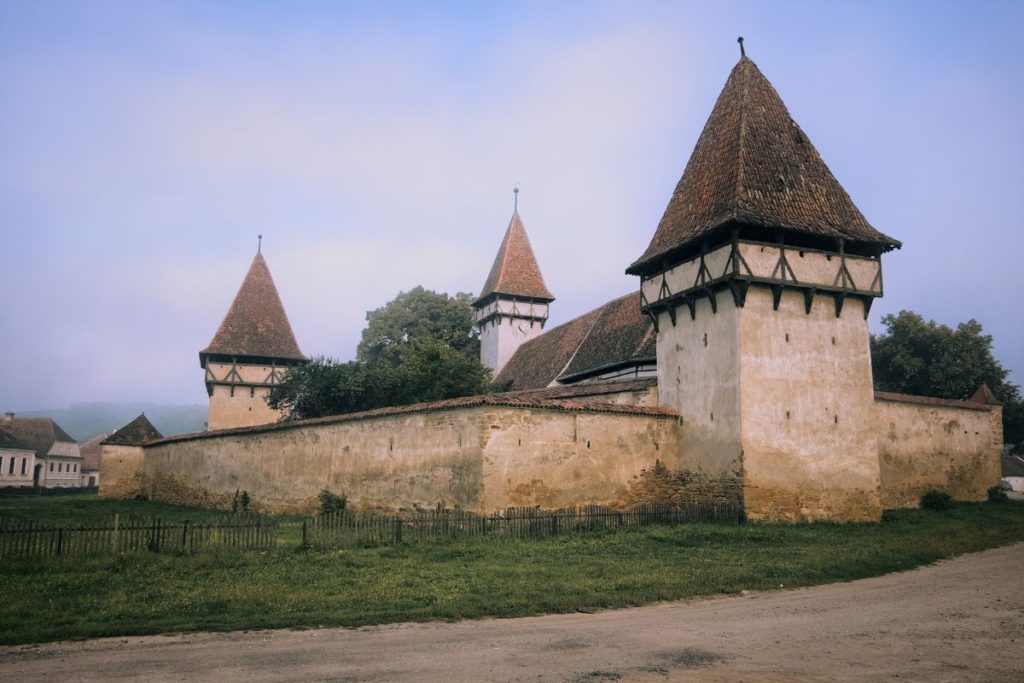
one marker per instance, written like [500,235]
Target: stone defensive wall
[933,443]
[480,454]
[487,453]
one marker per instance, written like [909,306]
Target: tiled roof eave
[931,401]
[488,400]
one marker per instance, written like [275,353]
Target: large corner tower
[250,352]
[759,279]
[513,305]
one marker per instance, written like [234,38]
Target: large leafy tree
[419,347]
[918,356]
[417,315]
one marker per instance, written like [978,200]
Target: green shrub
[936,500]
[330,502]
[996,494]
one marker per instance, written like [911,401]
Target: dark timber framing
[522,309]
[737,277]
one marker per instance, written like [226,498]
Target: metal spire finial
[743,53]
[515,200]
[259,244]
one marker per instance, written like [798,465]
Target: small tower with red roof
[513,304]
[249,354]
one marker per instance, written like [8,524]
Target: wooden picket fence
[361,528]
[19,538]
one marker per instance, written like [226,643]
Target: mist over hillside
[86,420]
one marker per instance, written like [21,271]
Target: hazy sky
[143,146]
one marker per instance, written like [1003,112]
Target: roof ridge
[740,151]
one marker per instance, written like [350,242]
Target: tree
[419,347]
[417,315]
[922,357]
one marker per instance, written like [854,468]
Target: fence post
[398,530]
[305,532]
[60,540]
[184,534]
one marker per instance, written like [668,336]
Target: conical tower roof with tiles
[753,167]
[256,325]
[515,272]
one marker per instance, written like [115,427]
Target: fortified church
[738,370]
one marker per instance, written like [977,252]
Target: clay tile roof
[752,165]
[539,361]
[616,333]
[36,433]
[984,395]
[91,451]
[138,432]
[256,324]
[621,334]
[583,390]
[515,271]
[927,401]
[8,440]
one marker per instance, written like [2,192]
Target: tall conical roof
[754,166]
[515,271]
[256,324]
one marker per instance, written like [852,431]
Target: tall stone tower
[249,354]
[759,279]
[513,305]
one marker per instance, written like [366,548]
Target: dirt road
[959,620]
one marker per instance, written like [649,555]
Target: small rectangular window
[51,467]
[24,465]
[76,467]
[10,469]
[1,465]
[60,467]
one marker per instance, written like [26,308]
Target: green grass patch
[291,587]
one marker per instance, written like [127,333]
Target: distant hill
[86,420]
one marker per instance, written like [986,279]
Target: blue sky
[143,146]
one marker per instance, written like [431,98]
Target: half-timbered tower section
[513,304]
[249,354]
[759,280]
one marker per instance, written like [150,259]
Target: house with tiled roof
[249,353]
[56,460]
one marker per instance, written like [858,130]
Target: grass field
[291,587]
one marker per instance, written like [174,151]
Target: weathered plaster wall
[807,402]
[240,405]
[387,462]
[17,467]
[121,471]
[480,459]
[698,376]
[922,447]
[501,336]
[247,407]
[558,459]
